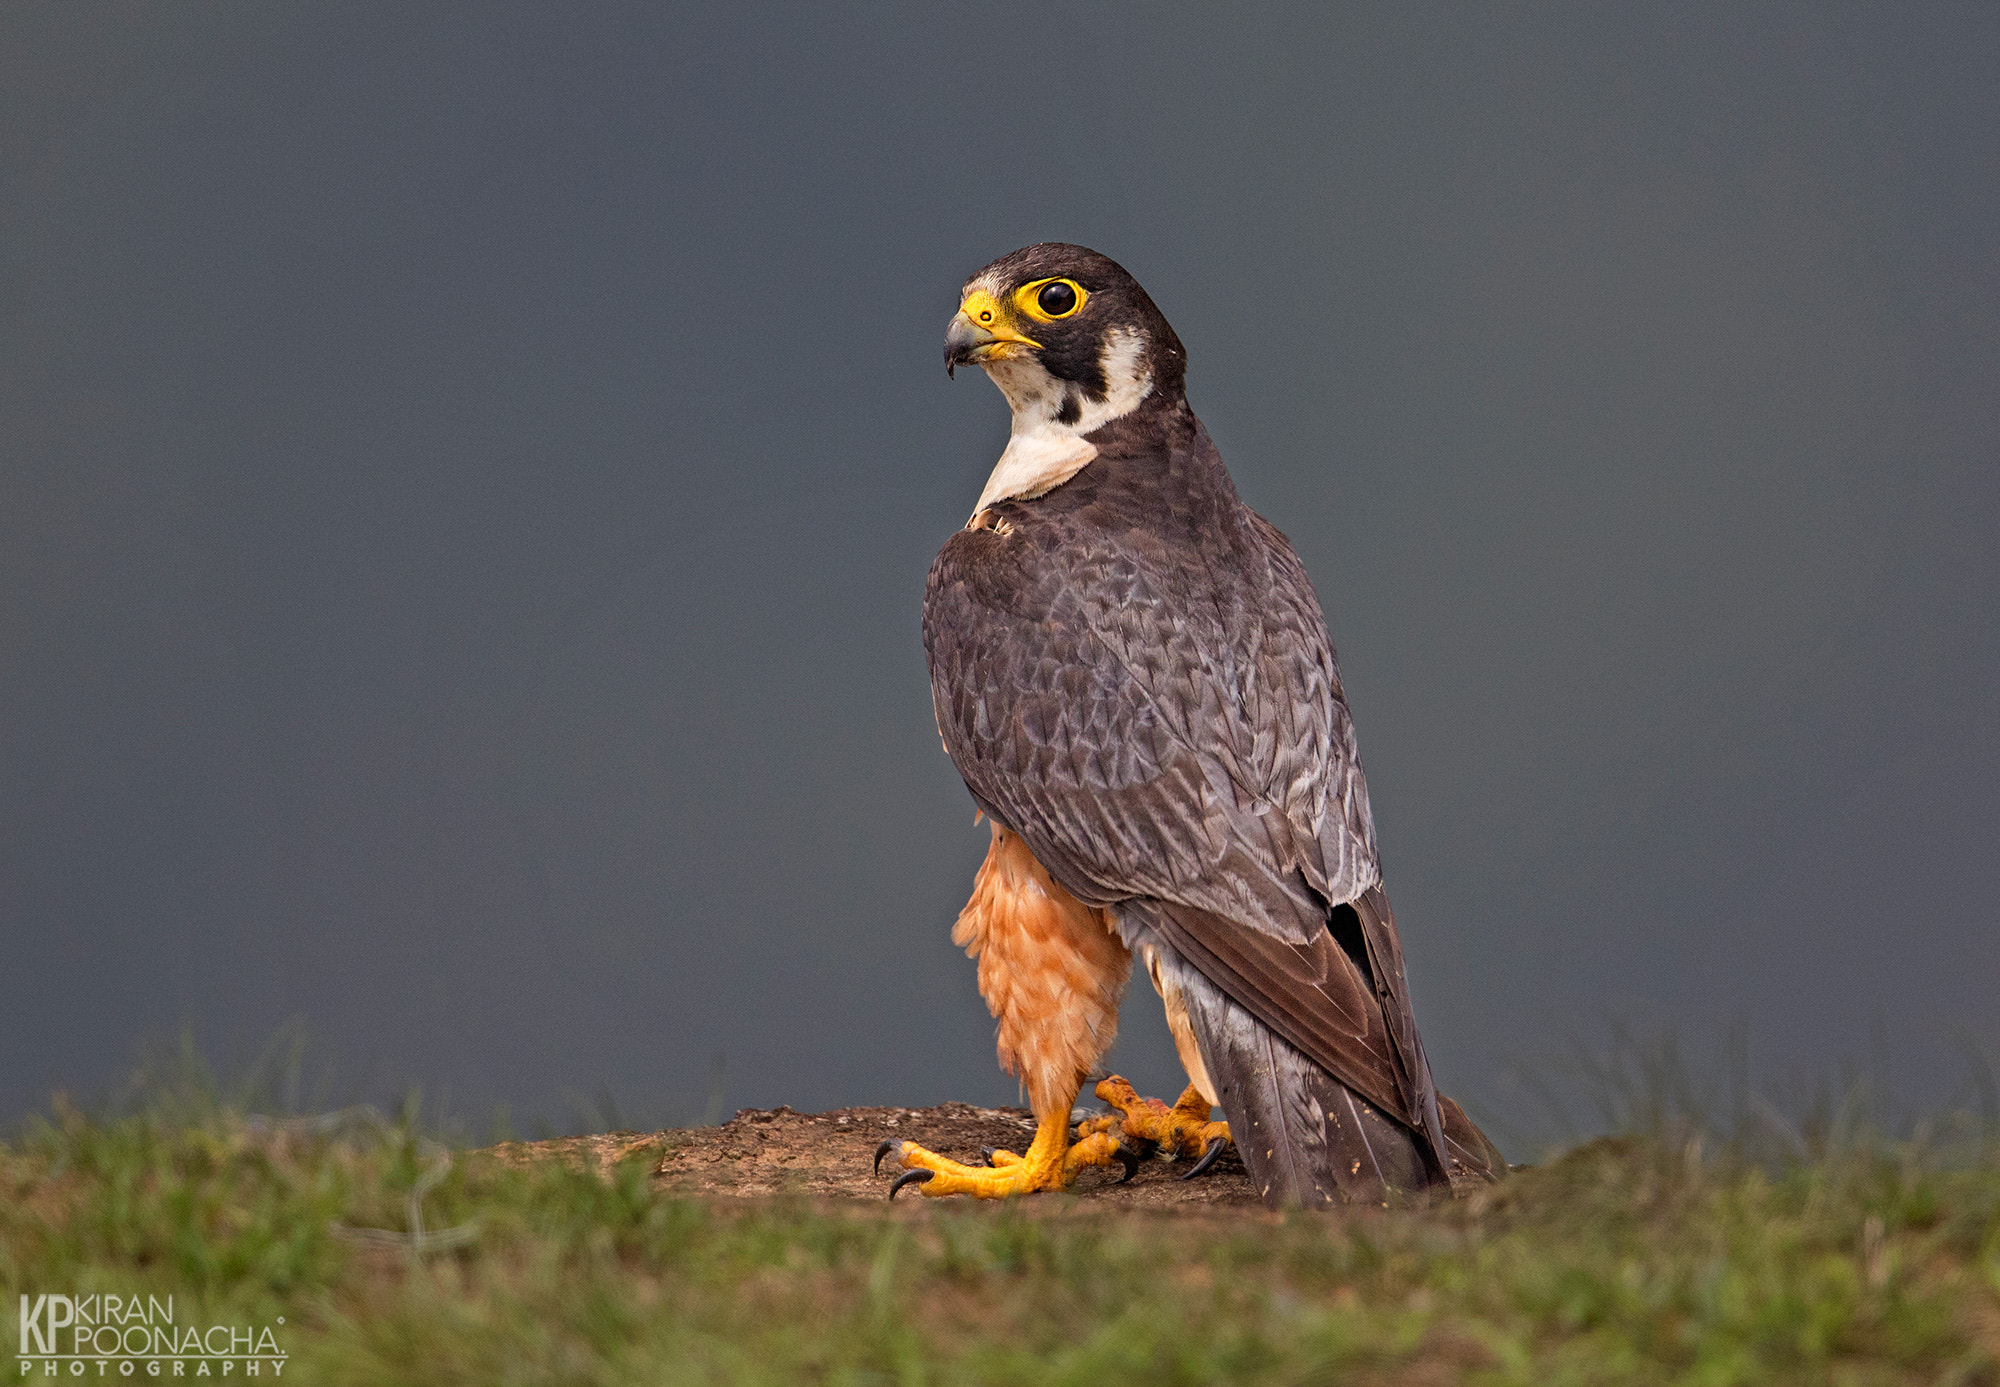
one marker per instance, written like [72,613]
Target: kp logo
[64,1335]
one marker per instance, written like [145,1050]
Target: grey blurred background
[467,475]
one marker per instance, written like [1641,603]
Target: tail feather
[1305,1137]
[1471,1155]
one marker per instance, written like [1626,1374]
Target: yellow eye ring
[1046,300]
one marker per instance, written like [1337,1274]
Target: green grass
[1626,1260]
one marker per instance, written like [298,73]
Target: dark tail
[1306,1138]
[1474,1160]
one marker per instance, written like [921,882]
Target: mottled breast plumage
[1132,672]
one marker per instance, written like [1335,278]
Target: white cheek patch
[1043,451]
[1127,382]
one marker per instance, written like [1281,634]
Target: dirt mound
[832,1155]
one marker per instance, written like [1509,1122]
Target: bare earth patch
[832,1155]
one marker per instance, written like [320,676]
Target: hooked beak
[979,332]
[963,341]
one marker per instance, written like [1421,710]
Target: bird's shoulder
[1148,560]
[1140,638]
[1147,526]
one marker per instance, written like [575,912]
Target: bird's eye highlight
[1048,299]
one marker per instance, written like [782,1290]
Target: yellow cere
[985,311]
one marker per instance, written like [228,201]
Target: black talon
[911,1177]
[1208,1158]
[880,1152]
[1128,1158]
[986,1153]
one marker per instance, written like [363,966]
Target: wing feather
[1144,690]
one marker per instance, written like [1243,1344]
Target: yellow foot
[1147,1124]
[1052,1163]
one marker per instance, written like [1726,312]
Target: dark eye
[1057,298]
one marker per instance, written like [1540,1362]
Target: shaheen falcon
[1131,671]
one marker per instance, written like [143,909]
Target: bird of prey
[1131,671]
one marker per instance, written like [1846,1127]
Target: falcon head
[1070,338]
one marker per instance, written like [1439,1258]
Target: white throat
[1043,450]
